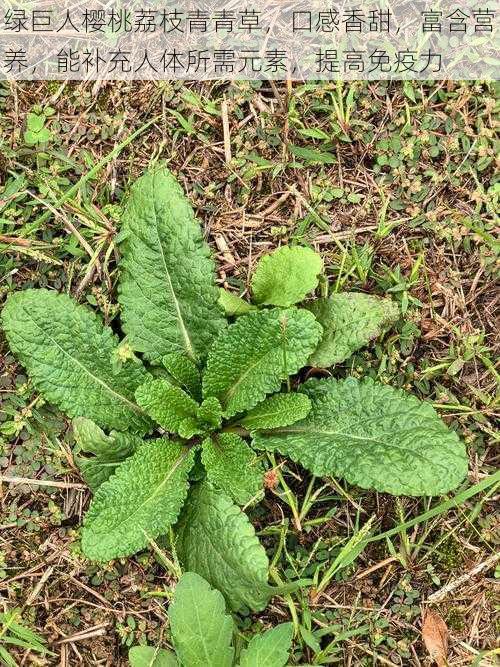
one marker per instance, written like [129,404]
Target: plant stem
[239,430]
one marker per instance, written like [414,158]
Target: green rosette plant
[171,422]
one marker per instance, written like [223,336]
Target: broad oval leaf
[256,353]
[286,275]
[167,290]
[202,632]
[233,466]
[149,656]
[374,436]
[269,649]
[277,410]
[68,354]
[350,320]
[140,501]
[216,540]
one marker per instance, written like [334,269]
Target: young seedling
[202,634]
[188,400]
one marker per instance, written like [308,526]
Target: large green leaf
[202,632]
[350,320]
[108,451]
[167,290]
[140,501]
[286,276]
[277,410]
[216,540]
[256,353]
[269,649]
[170,406]
[69,356]
[233,467]
[373,436]
[149,656]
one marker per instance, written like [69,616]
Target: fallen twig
[438,596]
[41,482]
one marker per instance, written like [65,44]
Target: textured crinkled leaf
[184,372]
[108,450]
[202,632]
[210,413]
[189,427]
[167,290]
[233,467]
[149,656]
[216,540]
[350,320]
[256,353]
[269,649]
[373,436]
[68,354]
[277,410]
[286,276]
[140,501]
[234,305]
[169,406]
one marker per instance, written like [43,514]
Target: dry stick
[79,656]
[24,575]
[96,169]
[226,132]
[40,482]
[375,567]
[97,595]
[96,631]
[92,265]
[270,209]
[14,240]
[340,236]
[222,245]
[440,595]
[34,593]
[64,657]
